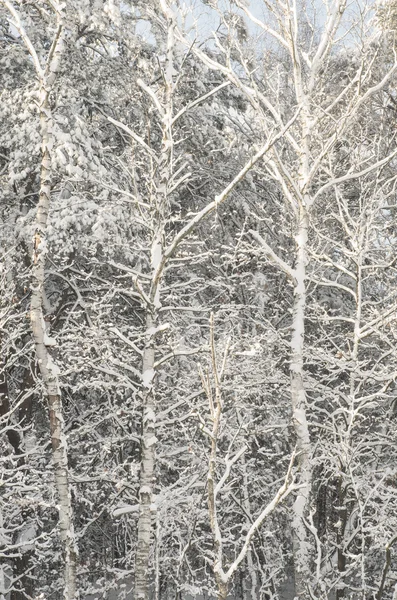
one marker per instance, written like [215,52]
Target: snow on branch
[356,174]
[273,256]
[288,486]
[174,353]
[226,191]
[152,95]
[198,101]
[134,136]
[17,23]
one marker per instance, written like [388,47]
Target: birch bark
[48,369]
[359,246]
[298,400]
[147,467]
[148,446]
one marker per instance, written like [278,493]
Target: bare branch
[134,136]
[17,23]
[198,101]
[273,256]
[152,95]
[284,491]
[225,193]
[356,174]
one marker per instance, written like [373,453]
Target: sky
[206,19]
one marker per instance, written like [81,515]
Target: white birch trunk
[147,469]
[301,547]
[158,260]
[221,580]
[343,512]
[48,369]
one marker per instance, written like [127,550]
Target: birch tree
[46,74]
[324,117]
[162,249]
[245,177]
[349,287]
[212,385]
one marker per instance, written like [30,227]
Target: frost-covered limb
[17,23]
[134,136]
[262,24]
[175,184]
[134,199]
[272,255]
[126,340]
[146,299]
[357,174]
[203,425]
[220,198]
[334,17]
[333,284]
[329,261]
[382,320]
[229,464]
[198,101]
[152,95]
[173,354]
[288,486]
[80,301]
[127,269]
[130,509]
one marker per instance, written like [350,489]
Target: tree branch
[273,256]
[198,101]
[134,136]
[287,487]
[17,23]
[225,193]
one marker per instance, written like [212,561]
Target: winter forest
[198,306]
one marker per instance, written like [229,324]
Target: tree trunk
[298,398]
[160,213]
[222,591]
[340,534]
[147,467]
[48,369]
[343,509]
